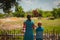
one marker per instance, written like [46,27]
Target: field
[16,24]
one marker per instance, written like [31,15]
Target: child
[39,32]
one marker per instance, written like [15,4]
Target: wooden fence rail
[16,36]
[52,35]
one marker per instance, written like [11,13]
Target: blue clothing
[39,33]
[39,39]
[29,30]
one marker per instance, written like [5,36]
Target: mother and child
[28,27]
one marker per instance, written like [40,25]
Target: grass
[47,24]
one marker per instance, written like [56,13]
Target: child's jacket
[39,33]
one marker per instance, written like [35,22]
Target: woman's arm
[24,27]
[34,26]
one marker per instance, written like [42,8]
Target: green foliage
[6,5]
[1,15]
[56,12]
[35,13]
[19,12]
[40,11]
[47,14]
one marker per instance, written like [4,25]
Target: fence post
[53,34]
[58,36]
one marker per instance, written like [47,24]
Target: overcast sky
[33,4]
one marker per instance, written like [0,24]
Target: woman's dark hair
[29,16]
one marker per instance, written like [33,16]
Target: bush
[1,15]
[47,14]
[17,14]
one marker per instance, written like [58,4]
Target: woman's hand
[23,30]
[34,26]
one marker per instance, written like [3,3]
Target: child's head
[39,23]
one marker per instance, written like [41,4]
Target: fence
[52,35]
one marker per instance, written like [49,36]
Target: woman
[28,28]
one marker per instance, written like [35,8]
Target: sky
[34,4]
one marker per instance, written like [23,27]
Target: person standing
[28,27]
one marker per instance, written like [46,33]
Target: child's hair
[39,23]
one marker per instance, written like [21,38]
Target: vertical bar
[14,34]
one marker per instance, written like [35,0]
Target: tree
[56,12]
[40,12]
[35,13]
[19,11]
[7,4]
